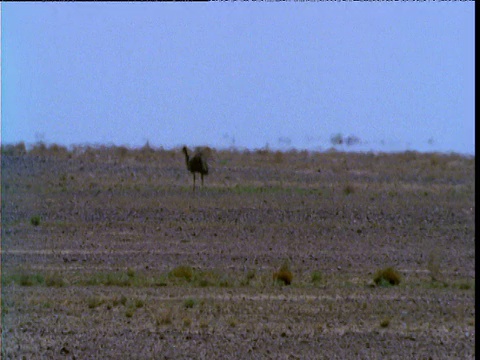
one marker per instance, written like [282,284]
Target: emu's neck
[187,158]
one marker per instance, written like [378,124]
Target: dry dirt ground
[108,254]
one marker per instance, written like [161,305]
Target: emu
[196,164]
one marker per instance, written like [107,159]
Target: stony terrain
[107,253]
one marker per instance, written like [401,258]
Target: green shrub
[139,303]
[55,280]
[165,317]
[189,303]
[185,272]
[30,279]
[129,312]
[387,277]
[349,189]
[95,301]
[384,323]
[130,272]
[14,150]
[316,277]
[35,220]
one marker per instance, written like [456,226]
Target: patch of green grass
[110,279]
[284,274]
[187,322]
[182,272]
[226,281]
[129,312]
[164,317]
[189,303]
[249,276]
[464,285]
[387,277]
[55,280]
[232,321]
[24,279]
[348,189]
[130,272]
[138,303]
[35,220]
[95,301]
[316,277]
[384,323]
[119,300]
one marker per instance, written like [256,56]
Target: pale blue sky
[396,75]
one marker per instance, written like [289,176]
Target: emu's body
[196,164]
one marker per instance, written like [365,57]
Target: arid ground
[107,253]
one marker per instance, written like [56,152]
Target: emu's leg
[193,182]
[201,175]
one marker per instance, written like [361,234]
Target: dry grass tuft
[284,274]
[349,189]
[185,272]
[387,276]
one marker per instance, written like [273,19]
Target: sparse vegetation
[55,280]
[187,322]
[129,312]
[387,277]
[35,220]
[284,275]
[433,265]
[124,256]
[182,272]
[189,303]
[164,317]
[316,277]
[95,301]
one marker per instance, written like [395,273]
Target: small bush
[384,323]
[139,303]
[189,303]
[58,150]
[38,149]
[35,220]
[55,280]
[30,280]
[14,150]
[225,282]
[464,285]
[121,152]
[278,157]
[232,321]
[284,274]
[110,279]
[129,312]
[433,265]
[95,301]
[185,272]
[316,277]
[187,322]
[164,318]
[387,276]
[130,272]
[349,189]
[117,301]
